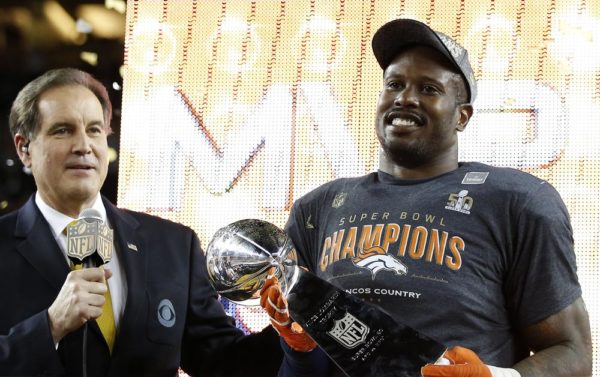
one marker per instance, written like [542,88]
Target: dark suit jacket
[168,265]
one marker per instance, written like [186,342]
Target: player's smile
[404,120]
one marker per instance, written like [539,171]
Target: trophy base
[362,339]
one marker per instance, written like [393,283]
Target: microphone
[89,240]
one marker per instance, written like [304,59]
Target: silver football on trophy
[239,257]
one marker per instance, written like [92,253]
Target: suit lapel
[132,256]
[39,246]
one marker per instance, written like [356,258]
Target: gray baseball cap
[396,35]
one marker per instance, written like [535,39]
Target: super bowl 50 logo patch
[349,331]
[460,202]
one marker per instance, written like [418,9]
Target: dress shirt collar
[59,221]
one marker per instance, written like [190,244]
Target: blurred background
[235,108]
[36,36]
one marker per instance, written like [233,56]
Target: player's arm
[561,346]
[561,343]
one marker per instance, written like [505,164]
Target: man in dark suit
[163,313]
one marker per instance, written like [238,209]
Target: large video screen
[234,109]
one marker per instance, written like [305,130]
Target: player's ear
[465,112]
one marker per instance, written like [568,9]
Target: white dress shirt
[117,283]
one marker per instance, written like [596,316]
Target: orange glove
[465,363]
[272,300]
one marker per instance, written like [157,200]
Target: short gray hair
[24,116]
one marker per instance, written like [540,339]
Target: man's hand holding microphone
[83,293]
[80,300]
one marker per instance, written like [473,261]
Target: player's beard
[410,155]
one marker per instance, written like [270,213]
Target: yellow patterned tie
[106,321]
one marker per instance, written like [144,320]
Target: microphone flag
[88,235]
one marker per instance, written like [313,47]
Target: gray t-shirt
[468,257]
